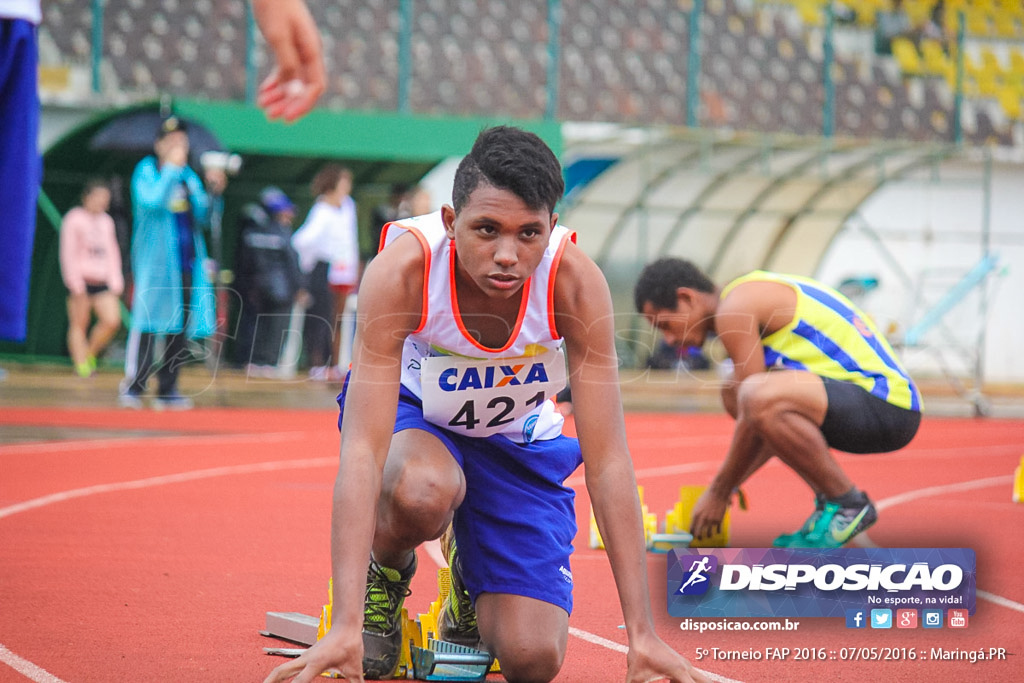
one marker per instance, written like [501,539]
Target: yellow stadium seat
[810,12]
[990,63]
[1005,26]
[917,11]
[988,84]
[934,58]
[1009,99]
[906,56]
[1017,62]
[978,22]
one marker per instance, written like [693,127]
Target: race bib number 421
[483,397]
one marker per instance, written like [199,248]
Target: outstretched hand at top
[298,79]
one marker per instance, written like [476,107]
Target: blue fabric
[516,525]
[155,256]
[186,239]
[20,170]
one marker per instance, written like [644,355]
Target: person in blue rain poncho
[173,294]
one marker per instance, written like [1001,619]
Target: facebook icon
[856,618]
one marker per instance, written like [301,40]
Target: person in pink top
[90,262]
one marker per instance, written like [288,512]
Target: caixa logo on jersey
[492,376]
[795,582]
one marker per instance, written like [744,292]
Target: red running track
[150,546]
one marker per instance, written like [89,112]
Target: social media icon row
[905,618]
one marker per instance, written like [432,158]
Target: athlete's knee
[531,659]
[423,495]
[756,401]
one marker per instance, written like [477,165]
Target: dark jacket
[267,270]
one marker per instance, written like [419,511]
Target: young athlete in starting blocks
[467,319]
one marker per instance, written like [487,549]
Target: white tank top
[469,388]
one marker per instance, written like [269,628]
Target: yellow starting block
[1018,483]
[423,654]
[677,520]
[650,524]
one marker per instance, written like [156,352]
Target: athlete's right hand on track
[651,659]
[336,653]
[298,80]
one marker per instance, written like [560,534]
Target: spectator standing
[173,296]
[20,166]
[268,280]
[90,263]
[327,245]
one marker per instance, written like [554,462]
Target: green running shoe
[457,622]
[797,538]
[839,524]
[386,590]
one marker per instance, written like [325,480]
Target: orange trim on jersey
[551,282]
[458,315]
[382,242]
[426,265]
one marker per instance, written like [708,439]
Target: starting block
[1018,483]
[292,626]
[677,520]
[422,632]
[442,661]
[424,656]
[664,542]
[650,525]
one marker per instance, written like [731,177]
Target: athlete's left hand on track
[298,80]
[656,661]
[708,513]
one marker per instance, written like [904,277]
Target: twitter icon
[881,618]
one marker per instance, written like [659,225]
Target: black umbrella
[135,132]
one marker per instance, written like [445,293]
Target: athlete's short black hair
[660,279]
[510,159]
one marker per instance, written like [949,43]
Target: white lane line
[865,541]
[598,640]
[26,668]
[1000,600]
[194,475]
[39,675]
[649,472]
[135,440]
[944,488]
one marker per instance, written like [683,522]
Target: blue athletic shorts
[516,526]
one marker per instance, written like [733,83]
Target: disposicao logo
[697,579]
[784,582]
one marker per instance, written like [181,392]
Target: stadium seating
[761,61]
